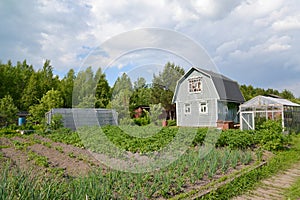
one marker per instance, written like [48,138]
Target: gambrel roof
[227,89]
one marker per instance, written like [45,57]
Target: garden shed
[262,108]
[77,117]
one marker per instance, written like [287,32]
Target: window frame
[187,108]
[202,105]
[195,82]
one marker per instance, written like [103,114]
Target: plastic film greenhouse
[77,117]
[262,108]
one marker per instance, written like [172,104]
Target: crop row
[188,170]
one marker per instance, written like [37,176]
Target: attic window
[195,84]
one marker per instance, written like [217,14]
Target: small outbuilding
[262,108]
[206,99]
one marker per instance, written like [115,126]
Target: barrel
[21,121]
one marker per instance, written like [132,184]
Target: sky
[251,41]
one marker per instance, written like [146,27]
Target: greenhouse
[74,118]
[262,108]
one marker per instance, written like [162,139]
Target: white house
[204,98]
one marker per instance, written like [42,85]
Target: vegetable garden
[56,165]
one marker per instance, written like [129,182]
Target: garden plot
[36,151]
[84,177]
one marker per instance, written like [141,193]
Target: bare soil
[73,161]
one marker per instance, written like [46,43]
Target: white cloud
[214,9]
[261,35]
[288,23]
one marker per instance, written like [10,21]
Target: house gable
[182,90]
[221,88]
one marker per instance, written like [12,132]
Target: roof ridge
[215,74]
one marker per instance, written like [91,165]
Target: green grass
[282,161]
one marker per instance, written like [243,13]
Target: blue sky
[252,41]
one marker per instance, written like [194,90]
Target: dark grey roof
[228,89]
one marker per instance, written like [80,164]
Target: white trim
[185,105]
[204,106]
[201,84]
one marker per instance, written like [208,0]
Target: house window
[195,84]
[203,107]
[187,108]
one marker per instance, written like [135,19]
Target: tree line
[37,91]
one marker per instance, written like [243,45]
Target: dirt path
[273,188]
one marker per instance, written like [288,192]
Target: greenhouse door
[247,121]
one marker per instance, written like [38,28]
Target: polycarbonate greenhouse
[74,118]
[262,108]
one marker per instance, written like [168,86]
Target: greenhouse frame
[262,108]
[74,118]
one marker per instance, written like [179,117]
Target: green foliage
[270,136]
[163,183]
[66,136]
[283,160]
[39,160]
[156,112]
[7,132]
[84,89]
[121,93]
[56,121]
[66,88]
[8,110]
[164,86]
[141,95]
[236,139]
[200,136]
[137,144]
[103,91]
[52,99]
[171,122]
[142,121]
[249,92]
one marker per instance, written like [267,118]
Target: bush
[7,131]
[171,122]
[56,121]
[200,136]
[142,121]
[270,136]
[236,139]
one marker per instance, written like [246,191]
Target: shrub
[270,136]
[142,121]
[7,131]
[172,122]
[56,121]
[236,139]
[200,136]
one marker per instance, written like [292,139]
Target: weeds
[39,160]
